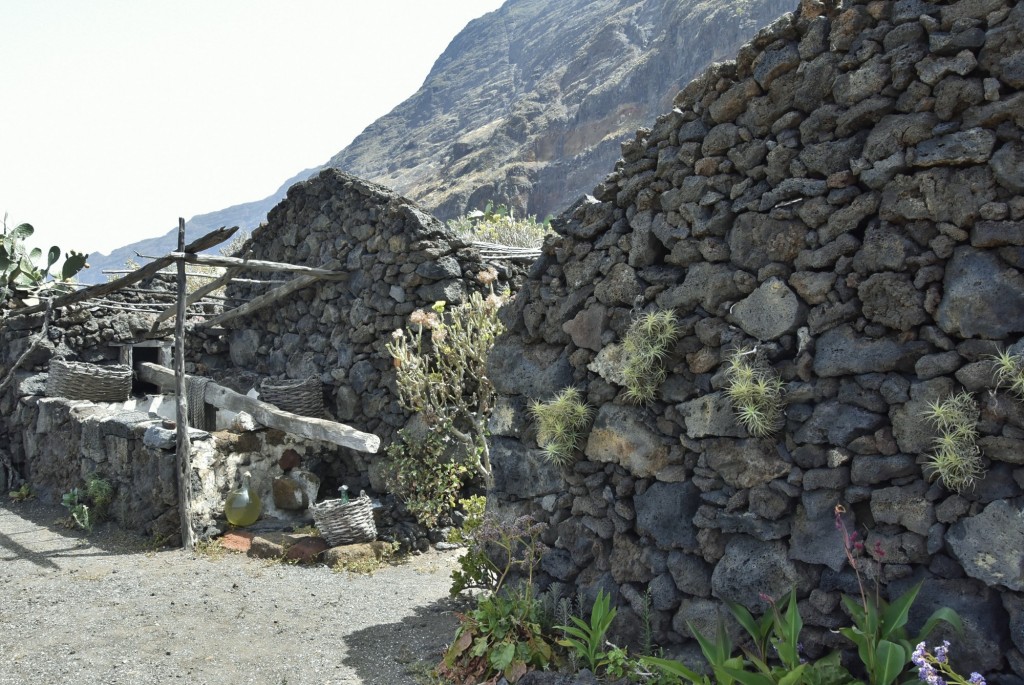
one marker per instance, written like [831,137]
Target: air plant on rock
[645,347]
[755,392]
[956,458]
[560,423]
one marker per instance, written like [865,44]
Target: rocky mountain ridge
[526,107]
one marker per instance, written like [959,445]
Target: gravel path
[105,609]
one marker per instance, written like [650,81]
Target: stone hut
[847,196]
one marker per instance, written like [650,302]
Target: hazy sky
[119,116]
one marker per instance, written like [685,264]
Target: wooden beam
[263,300]
[268,414]
[194,296]
[258,265]
[188,540]
[207,241]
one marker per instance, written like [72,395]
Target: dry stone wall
[398,259]
[848,196]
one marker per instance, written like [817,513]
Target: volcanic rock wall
[848,197]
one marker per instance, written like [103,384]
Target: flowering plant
[879,627]
[442,374]
[934,669]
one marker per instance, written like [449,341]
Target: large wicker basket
[84,381]
[304,397]
[344,524]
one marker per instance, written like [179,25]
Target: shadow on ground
[38,532]
[412,646]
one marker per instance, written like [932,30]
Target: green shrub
[90,505]
[956,458]
[498,225]
[560,423]
[424,474]
[755,391]
[645,347]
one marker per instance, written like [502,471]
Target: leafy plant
[22,269]
[501,636]
[90,505]
[442,376]
[645,347]
[560,422]
[424,474]
[504,634]
[879,627]
[75,503]
[956,457]
[1009,372]
[588,639]
[755,391]
[22,493]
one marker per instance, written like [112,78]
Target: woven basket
[344,524]
[304,397]
[83,381]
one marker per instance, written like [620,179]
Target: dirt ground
[108,608]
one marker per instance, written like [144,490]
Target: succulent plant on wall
[755,391]
[560,423]
[646,345]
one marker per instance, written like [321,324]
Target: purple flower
[918,656]
[976,679]
[941,653]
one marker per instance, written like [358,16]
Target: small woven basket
[84,381]
[344,524]
[304,397]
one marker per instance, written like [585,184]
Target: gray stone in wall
[973,146]
[990,546]
[870,469]
[710,415]
[624,436]
[892,300]
[769,312]
[837,424]
[665,513]
[744,463]
[706,284]
[983,297]
[985,638]
[587,326]
[752,568]
[911,429]
[1008,166]
[692,575]
[521,472]
[840,351]
[814,538]
[905,506]
[536,371]
[756,240]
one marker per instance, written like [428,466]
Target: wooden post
[184,444]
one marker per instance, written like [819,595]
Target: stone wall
[398,259]
[848,196]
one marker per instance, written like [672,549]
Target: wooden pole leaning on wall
[184,444]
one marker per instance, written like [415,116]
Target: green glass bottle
[242,506]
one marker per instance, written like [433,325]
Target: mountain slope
[526,107]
